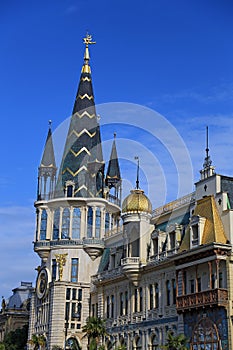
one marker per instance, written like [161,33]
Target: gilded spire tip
[87,41]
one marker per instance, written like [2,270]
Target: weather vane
[88,40]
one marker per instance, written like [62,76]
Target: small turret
[113,176]
[208,168]
[47,170]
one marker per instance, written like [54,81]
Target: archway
[72,344]
[205,336]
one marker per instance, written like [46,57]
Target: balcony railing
[107,275]
[212,297]
[178,203]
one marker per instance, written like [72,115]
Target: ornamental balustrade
[217,296]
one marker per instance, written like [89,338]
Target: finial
[137,181]
[87,41]
[114,135]
[50,123]
[207,161]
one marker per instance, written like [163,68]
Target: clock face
[42,284]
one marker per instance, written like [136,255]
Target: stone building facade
[161,270]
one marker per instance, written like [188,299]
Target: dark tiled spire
[113,173]
[113,176]
[82,164]
[47,169]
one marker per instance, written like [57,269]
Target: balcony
[214,297]
[131,268]
[93,247]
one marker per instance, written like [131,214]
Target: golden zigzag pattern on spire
[80,151]
[85,113]
[85,79]
[80,188]
[72,173]
[78,134]
[86,96]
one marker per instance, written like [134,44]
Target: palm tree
[94,329]
[39,342]
[176,342]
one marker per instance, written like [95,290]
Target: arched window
[107,222]
[89,222]
[205,335]
[65,223]
[76,223]
[43,224]
[56,220]
[72,343]
[97,222]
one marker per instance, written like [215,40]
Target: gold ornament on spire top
[87,41]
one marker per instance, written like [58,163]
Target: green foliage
[15,340]
[94,329]
[176,342]
[38,341]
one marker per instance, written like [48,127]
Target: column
[210,275]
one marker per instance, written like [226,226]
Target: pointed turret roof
[83,143]
[48,158]
[113,172]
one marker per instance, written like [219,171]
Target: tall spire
[47,169]
[113,176]
[82,164]
[208,169]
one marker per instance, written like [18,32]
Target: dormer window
[69,189]
[197,224]
[174,237]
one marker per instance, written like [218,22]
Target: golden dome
[136,201]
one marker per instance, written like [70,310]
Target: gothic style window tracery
[205,336]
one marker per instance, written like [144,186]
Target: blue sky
[174,57]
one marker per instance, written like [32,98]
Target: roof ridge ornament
[208,168]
